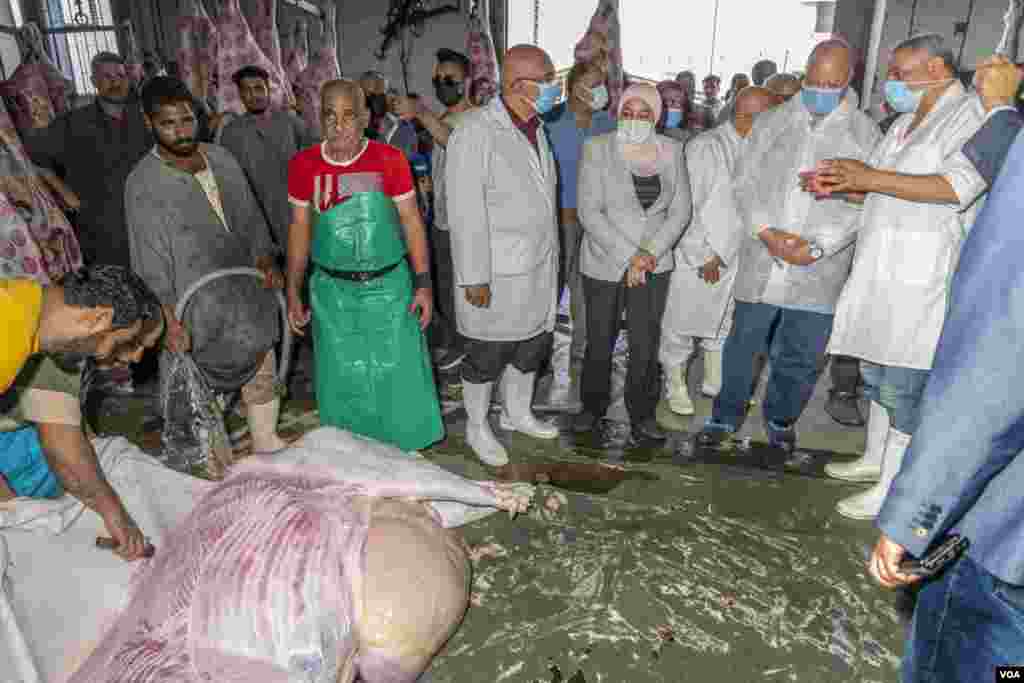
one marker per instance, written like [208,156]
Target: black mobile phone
[940,556]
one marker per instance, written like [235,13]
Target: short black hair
[250,71]
[162,91]
[446,56]
[116,287]
[105,58]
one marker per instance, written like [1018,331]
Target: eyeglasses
[331,119]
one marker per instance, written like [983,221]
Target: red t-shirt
[316,181]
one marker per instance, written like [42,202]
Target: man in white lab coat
[700,295]
[921,198]
[501,181]
[797,253]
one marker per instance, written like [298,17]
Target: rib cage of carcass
[133,55]
[197,49]
[237,47]
[323,67]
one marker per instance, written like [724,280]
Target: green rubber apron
[373,373]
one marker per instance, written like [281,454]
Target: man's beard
[182,149]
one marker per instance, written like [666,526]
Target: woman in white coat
[634,202]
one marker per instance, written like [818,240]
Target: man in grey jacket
[263,142]
[797,255]
[190,213]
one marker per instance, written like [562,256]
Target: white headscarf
[647,158]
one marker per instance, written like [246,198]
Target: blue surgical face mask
[901,98]
[673,117]
[822,101]
[550,93]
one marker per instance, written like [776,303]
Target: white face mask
[635,131]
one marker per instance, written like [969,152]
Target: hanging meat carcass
[483,61]
[322,67]
[237,47]
[296,56]
[264,29]
[37,90]
[602,44]
[132,54]
[36,240]
[197,49]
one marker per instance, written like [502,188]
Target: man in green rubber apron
[354,214]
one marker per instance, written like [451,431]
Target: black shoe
[711,437]
[584,422]
[781,437]
[844,409]
[648,430]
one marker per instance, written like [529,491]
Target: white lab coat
[501,207]
[696,309]
[894,304]
[767,190]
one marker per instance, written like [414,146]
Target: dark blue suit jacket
[964,470]
[987,149]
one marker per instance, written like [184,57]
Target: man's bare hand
[422,305]
[711,272]
[843,175]
[272,278]
[884,565]
[298,315]
[997,80]
[479,296]
[131,544]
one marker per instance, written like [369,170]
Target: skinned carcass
[37,90]
[483,61]
[602,44]
[323,67]
[197,49]
[132,55]
[295,57]
[236,48]
[264,29]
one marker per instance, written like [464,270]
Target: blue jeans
[966,623]
[898,390]
[796,352]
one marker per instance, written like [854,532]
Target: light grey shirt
[263,147]
[439,157]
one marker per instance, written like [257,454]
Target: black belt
[358,275]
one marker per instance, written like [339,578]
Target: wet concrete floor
[638,566]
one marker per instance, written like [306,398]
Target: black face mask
[449,92]
[377,104]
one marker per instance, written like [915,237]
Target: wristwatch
[816,252]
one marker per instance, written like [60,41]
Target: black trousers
[486,360]
[845,374]
[644,306]
[444,333]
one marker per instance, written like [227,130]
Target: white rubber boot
[712,384]
[517,390]
[477,399]
[866,505]
[262,421]
[678,396]
[868,467]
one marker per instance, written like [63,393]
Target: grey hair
[934,44]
